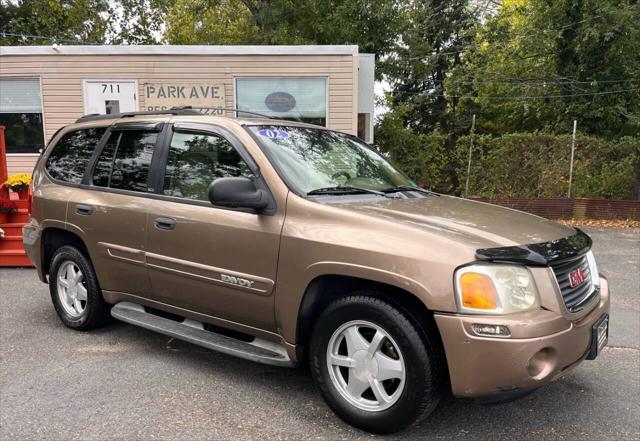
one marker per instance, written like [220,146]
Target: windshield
[316,159]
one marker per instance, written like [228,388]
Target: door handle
[84,210]
[165,223]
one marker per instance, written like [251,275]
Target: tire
[411,397]
[90,311]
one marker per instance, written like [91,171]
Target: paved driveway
[123,382]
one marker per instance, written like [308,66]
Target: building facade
[43,88]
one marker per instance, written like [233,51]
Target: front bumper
[543,347]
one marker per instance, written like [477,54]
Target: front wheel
[372,365]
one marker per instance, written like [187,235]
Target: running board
[259,350]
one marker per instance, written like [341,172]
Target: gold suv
[284,243]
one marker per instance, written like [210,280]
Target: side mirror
[237,193]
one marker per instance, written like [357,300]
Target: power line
[539,82]
[6,34]
[519,97]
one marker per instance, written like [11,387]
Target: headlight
[495,289]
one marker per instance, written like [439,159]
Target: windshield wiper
[409,188]
[345,189]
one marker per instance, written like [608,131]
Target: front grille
[573,296]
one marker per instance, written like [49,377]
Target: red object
[4,174]
[577,277]
[11,249]
[23,194]
[579,208]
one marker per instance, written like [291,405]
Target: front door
[110,97]
[215,261]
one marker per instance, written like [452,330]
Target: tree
[210,22]
[538,65]
[370,24]
[430,45]
[32,22]
[138,21]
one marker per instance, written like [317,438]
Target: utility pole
[573,149]
[473,128]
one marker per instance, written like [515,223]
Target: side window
[195,160]
[70,156]
[124,161]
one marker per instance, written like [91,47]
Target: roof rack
[225,109]
[176,110]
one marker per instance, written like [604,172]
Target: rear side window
[70,156]
[124,161]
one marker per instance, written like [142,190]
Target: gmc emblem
[577,277]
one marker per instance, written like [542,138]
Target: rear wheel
[75,292]
[372,365]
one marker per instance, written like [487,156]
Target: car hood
[477,222]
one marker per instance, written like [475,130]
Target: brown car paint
[411,244]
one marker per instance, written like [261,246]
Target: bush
[424,158]
[527,165]
[537,166]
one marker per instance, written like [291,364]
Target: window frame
[157,127]
[49,148]
[283,176]
[161,156]
[157,167]
[258,77]
[55,139]
[44,124]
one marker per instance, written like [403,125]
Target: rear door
[212,260]
[110,208]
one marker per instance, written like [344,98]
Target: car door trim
[211,274]
[122,253]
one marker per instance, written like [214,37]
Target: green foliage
[137,21]
[210,22]
[424,158]
[70,21]
[538,65]
[537,165]
[372,25]
[426,50]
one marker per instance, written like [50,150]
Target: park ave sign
[163,96]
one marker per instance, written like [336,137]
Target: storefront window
[291,98]
[21,114]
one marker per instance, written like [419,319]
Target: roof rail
[176,110]
[225,109]
[172,111]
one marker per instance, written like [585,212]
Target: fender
[288,303]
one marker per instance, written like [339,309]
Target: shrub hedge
[526,165]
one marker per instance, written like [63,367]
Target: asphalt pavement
[123,382]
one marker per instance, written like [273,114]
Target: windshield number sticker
[273,134]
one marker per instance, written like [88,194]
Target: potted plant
[19,183]
[6,208]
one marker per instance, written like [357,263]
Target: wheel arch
[325,289]
[53,238]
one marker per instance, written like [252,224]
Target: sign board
[164,95]
[110,96]
[280,101]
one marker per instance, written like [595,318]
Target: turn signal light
[477,291]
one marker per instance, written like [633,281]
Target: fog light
[491,330]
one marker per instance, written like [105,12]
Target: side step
[261,351]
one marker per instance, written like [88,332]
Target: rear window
[70,156]
[124,162]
